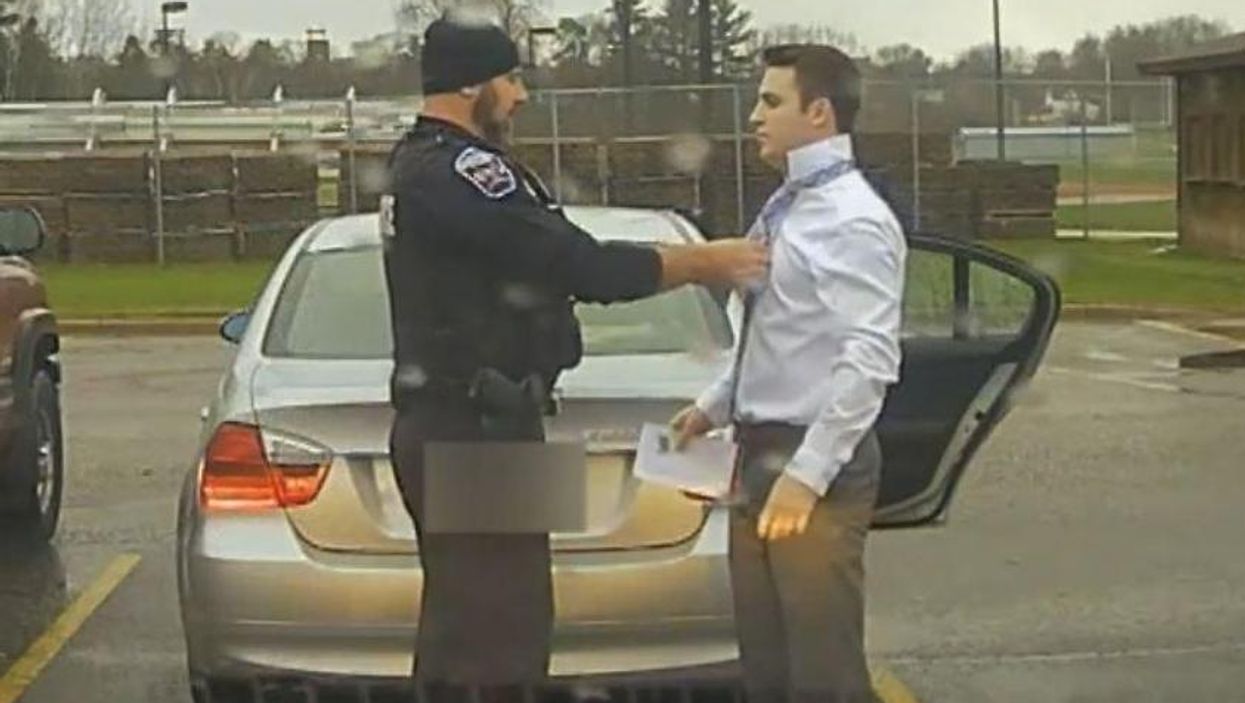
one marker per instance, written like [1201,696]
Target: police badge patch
[388,217]
[487,172]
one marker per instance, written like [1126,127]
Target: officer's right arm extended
[531,243]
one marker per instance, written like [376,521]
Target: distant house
[1211,117]
[1066,109]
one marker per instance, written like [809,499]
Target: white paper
[705,467]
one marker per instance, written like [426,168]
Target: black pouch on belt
[509,410]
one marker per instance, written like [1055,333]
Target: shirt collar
[425,123]
[810,158]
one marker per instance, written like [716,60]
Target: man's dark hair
[821,72]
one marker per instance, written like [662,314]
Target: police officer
[483,271]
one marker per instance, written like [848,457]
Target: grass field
[1150,216]
[1104,273]
[1136,273]
[1154,175]
[89,290]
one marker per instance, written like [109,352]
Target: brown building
[1211,118]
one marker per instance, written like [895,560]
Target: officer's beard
[496,130]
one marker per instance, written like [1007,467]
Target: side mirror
[21,231]
[233,327]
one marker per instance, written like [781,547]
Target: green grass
[1101,273]
[1152,166]
[1156,142]
[1156,174]
[1155,216]
[328,195]
[91,290]
[1136,274]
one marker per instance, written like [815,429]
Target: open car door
[976,325]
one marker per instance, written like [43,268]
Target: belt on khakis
[769,435]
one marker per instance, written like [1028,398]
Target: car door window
[929,300]
[989,302]
[999,304]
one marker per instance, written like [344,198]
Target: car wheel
[35,469]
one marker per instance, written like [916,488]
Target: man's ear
[472,91]
[821,111]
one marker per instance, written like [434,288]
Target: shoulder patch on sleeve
[487,172]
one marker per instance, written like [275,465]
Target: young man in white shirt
[817,351]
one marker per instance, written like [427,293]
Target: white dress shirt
[823,340]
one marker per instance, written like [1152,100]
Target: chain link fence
[1100,157]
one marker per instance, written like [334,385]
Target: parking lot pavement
[1093,553]
[131,422]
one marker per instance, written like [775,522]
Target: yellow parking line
[25,670]
[890,689]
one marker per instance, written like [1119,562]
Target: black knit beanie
[459,55]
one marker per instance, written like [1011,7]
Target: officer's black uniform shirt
[483,268]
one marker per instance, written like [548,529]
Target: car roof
[618,224]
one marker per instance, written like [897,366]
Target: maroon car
[31,453]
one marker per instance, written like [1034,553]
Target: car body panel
[20,291]
[28,335]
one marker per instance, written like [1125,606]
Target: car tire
[231,690]
[212,691]
[35,467]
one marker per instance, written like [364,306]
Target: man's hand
[788,510]
[688,424]
[734,261]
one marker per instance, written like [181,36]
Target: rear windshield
[334,305]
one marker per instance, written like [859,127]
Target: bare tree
[514,16]
[95,28]
[584,40]
[22,24]
[810,34]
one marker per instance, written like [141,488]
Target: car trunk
[344,406]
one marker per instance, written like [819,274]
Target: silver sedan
[297,559]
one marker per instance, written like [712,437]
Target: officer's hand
[688,424]
[734,261]
[788,510]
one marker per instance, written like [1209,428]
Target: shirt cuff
[813,469]
[715,405]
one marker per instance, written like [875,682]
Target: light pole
[919,95]
[622,10]
[1110,105]
[704,22]
[998,83]
[173,7]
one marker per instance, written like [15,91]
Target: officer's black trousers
[487,612]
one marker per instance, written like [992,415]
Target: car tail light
[246,468]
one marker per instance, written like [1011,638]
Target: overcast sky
[954,25]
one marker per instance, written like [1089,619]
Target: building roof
[1228,52]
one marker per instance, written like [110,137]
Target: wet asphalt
[1093,554]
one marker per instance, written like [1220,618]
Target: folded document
[704,468]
